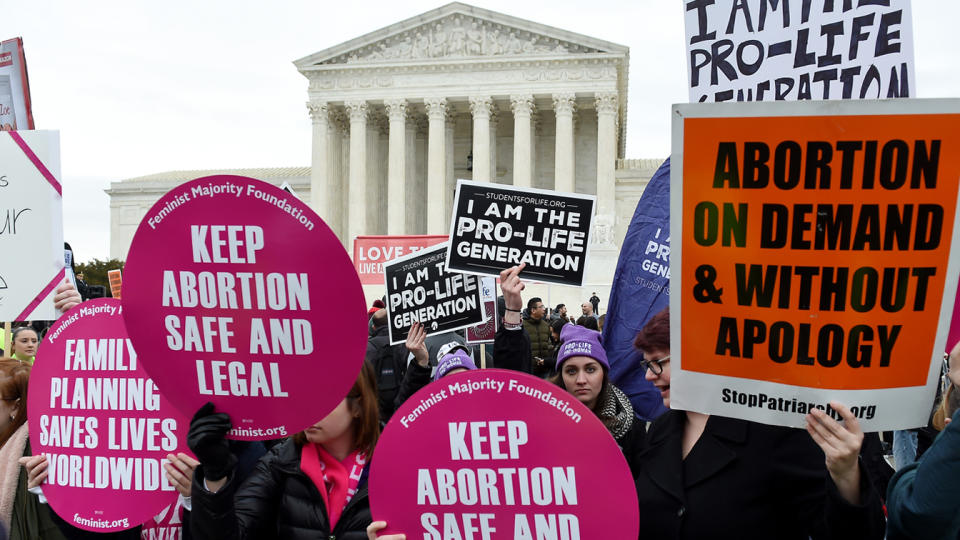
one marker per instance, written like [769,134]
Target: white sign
[772,50]
[31,224]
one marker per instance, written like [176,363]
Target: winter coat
[745,480]
[389,365]
[923,499]
[414,379]
[277,501]
[511,350]
[540,344]
[30,519]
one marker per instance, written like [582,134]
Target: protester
[589,322]
[452,355]
[21,513]
[179,473]
[389,363]
[538,329]
[587,309]
[23,343]
[707,476]
[582,370]
[560,313]
[923,499]
[309,486]
[950,401]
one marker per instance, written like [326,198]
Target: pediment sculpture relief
[459,36]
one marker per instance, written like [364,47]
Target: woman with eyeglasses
[707,476]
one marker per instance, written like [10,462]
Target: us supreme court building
[399,114]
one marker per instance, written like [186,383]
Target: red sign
[370,252]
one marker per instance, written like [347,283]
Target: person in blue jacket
[923,498]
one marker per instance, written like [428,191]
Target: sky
[138,87]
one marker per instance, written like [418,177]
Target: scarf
[336,481]
[10,453]
[616,412]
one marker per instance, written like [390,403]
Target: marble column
[450,176]
[607,110]
[494,125]
[342,143]
[420,205]
[357,209]
[412,191]
[319,173]
[564,165]
[522,106]
[396,167]
[374,193]
[480,107]
[335,180]
[436,168]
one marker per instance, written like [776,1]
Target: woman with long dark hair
[313,485]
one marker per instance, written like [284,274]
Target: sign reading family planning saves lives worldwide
[420,289]
[236,292]
[489,454]
[31,224]
[495,227]
[818,257]
[101,422]
[762,50]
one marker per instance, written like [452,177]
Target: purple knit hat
[457,359]
[577,340]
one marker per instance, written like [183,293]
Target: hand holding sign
[841,445]
[230,313]
[496,226]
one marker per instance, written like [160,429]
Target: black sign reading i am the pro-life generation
[495,227]
[420,288]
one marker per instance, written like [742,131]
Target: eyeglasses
[656,366]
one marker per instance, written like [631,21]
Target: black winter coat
[745,480]
[389,364]
[511,350]
[277,501]
[414,379]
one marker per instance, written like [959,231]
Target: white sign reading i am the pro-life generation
[776,50]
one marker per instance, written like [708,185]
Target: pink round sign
[499,454]
[236,292]
[102,423]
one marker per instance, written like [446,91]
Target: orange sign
[815,249]
[115,282]
[815,255]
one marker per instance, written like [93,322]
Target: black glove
[207,440]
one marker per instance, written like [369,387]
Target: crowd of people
[696,475]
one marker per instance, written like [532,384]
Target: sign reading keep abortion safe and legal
[498,454]
[226,302]
[762,50]
[421,289]
[817,260]
[102,423]
[495,227]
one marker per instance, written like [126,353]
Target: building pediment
[458,31]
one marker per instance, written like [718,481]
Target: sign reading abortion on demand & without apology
[817,257]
